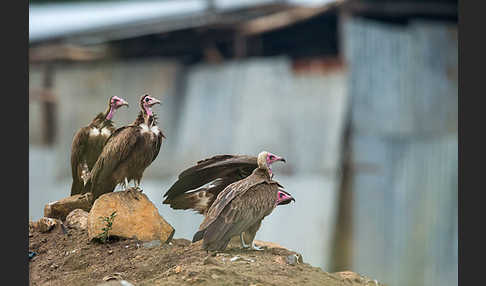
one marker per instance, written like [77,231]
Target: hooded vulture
[242,206]
[88,143]
[128,151]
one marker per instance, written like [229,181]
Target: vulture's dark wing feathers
[117,149]
[80,141]
[230,168]
[159,144]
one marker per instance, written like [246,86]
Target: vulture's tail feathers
[76,187]
[198,235]
[216,235]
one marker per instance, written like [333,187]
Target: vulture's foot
[254,247]
[137,186]
[250,246]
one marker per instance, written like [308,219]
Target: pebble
[292,259]
[214,276]
[178,269]
[236,258]
[151,244]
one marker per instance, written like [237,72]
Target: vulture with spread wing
[241,207]
[199,185]
[88,143]
[128,151]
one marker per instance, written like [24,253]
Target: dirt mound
[67,257]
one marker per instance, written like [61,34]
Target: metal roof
[114,20]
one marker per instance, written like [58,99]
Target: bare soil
[67,257]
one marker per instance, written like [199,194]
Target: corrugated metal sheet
[248,106]
[403,88]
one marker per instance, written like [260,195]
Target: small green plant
[103,237]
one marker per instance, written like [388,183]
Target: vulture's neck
[143,117]
[263,172]
[104,119]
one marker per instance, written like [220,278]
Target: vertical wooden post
[341,252]
[239,46]
[49,106]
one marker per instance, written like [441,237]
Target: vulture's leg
[243,245]
[251,233]
[125,183]
[137,185]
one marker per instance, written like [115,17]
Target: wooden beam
[69,52]
[401,8]
[284,18]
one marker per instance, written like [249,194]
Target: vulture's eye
[272,157]
[147,99]
[281,195]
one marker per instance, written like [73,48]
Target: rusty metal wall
[403,95]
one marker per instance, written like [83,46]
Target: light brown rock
[45,224]
[61,208]
[136,217]
[77,219]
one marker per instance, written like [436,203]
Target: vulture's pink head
[115,103]
[283,197]
[146,103]
[266,159]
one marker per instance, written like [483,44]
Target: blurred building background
[360,97]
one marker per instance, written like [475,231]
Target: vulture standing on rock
[242,206]
[128,151]
[88,143]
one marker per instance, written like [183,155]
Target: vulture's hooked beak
[280,159]
[155,101]
[124,103]
[287,201]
